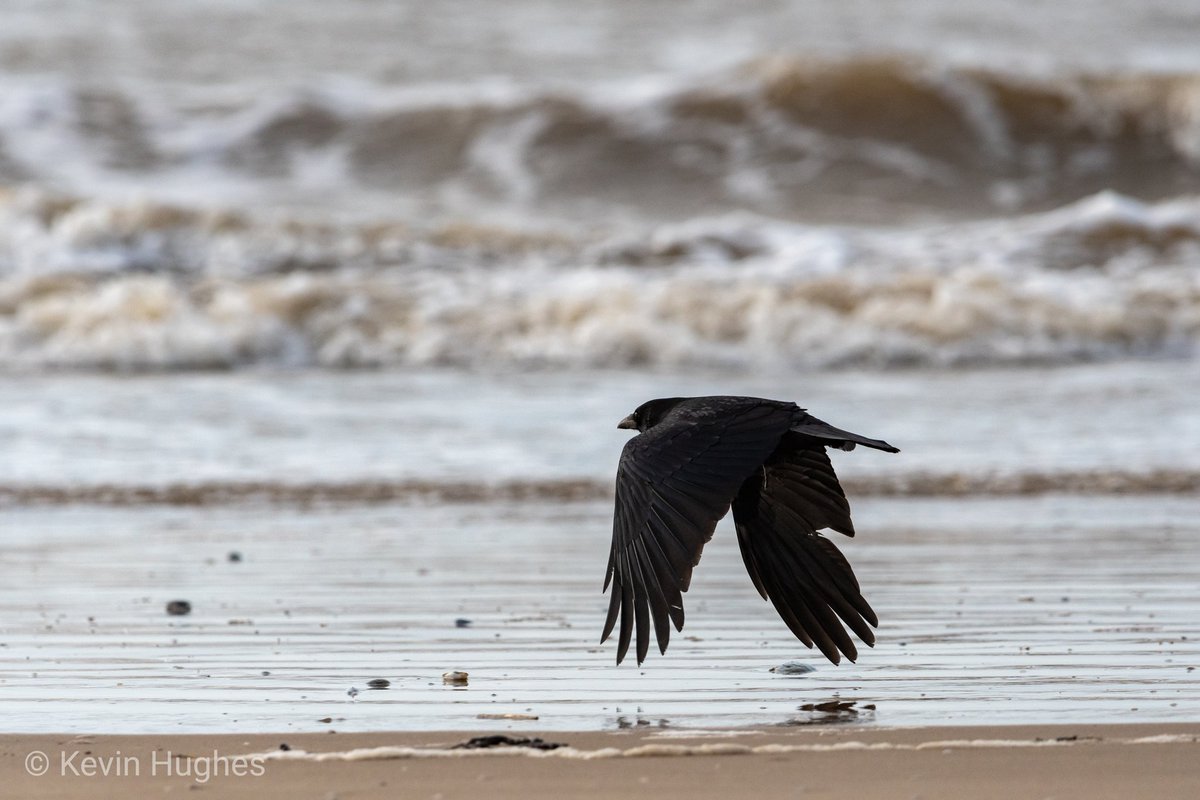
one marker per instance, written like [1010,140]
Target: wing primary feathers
[806,578]
[642,617]
[669,597]
[847,582]
[827,604]
[812,553]
[799,603]
[626,611]
[658,603]
[750,560]
[614,610]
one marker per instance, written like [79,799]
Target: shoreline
[950,485]
[1064,760]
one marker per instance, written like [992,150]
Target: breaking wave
[91,284]
[863,139]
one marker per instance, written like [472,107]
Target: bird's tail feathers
[836,437]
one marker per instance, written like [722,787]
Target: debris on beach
[378,683]
[482,742]
[234,557]
[831,712]
[462,622]
[830,707]
[507,716]
[353,692]
[179,608]
[455,678]
[793,668]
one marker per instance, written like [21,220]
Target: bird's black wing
[778,511]
[674,482]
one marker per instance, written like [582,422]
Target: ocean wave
[787,137]
[95,285]
[214,493]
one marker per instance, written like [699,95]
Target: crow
[692,459]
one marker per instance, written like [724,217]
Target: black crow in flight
[692,458]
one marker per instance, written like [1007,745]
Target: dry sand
[1083,761]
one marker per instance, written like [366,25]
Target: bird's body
[693,459]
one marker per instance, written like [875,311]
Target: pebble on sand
[378,683]
[178,608]
[455,678]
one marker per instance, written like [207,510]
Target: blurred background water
[362,289]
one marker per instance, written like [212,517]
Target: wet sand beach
[1084,612]
[1097,762]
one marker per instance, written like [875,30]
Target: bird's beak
[629,423]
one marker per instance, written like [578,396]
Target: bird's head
[649,414]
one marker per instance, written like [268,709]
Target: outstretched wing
[674,482]
[778,512]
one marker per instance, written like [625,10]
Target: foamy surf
[89,284]
[658,750]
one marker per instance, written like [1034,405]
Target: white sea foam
[95,284]
[656,750]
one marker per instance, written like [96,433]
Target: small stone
[455,678]
[285,746]
[462,623]
[793,668]
[378,683]
[234,557]
[179,608]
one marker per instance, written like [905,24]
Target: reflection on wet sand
[1051,609]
